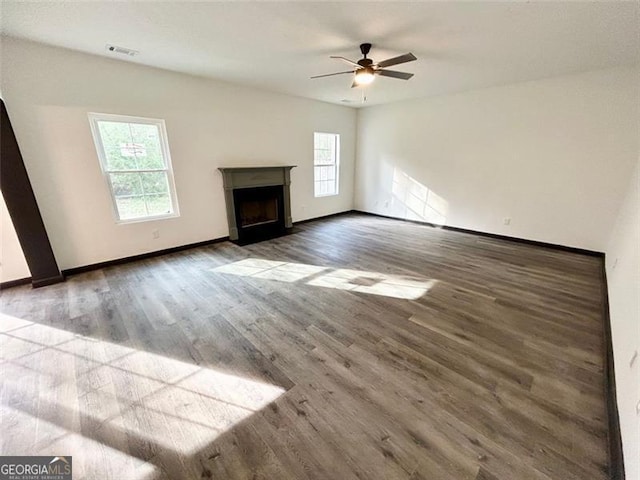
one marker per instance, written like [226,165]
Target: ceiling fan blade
[407,57]
[350,62]
[331,74]
[394,74]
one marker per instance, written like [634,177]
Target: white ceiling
[278,46]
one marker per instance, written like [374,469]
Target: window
[326,160]
[134,156]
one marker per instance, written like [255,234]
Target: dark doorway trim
[23,209]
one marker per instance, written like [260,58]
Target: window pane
[324,156]
[331,188]
[158,204]
[124,184]
[135,160]
[118,145]
[322,140]
[149,156]
[325,159]
[154,182]
[131,207]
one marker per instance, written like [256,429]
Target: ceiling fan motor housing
[365,48]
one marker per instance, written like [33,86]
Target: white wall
[623,276]
[553,155]
[48,92]
[13,266]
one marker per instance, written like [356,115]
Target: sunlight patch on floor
[91,459]
[373,283]
[92,399]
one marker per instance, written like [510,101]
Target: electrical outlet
[155,234]
[506,221]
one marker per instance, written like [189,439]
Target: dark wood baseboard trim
[15,283]
[35,283]
[142,256]
[157,253]
[43,282]
[616,457]
[536,243]
[323,217]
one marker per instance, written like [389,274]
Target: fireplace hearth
[257,200]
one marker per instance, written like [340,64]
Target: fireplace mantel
[235,178]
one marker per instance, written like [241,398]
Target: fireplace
[257,200]
[259,213]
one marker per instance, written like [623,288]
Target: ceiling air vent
[122,50]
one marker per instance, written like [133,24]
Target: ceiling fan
[365,70]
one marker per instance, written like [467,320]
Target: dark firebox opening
[259,213]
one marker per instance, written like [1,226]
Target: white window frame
[94,118]
[336,165]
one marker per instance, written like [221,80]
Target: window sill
[147,219]
[327,195]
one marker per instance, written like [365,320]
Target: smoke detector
[121,50]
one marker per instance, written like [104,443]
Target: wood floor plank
[355,348]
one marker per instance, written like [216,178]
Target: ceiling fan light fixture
[365,70]
[364,76]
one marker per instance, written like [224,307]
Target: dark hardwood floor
[359,347]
